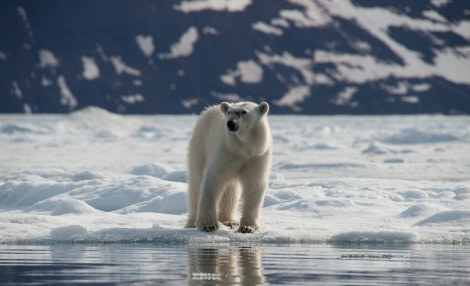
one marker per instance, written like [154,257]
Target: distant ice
[95,176]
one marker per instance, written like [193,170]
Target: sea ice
[94,176]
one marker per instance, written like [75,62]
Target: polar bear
[229,155]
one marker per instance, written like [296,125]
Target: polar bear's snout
[232,125]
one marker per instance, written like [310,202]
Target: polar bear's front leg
[207,218]
[228,204]
[254,178]
[251,208]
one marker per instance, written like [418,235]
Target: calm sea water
[130,264]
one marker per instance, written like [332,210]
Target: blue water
[137,264]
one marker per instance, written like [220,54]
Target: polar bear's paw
[208,225]
[247,229]
[210,228]
[190,225]
[231,224]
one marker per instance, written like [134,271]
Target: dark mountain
[303,56]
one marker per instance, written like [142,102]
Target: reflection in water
[141,264]
[215,266]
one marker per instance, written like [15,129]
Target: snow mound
[455,217]
[87,175]
[101,121]
[169,202]
[57,207]
[420,210]
[154,170]
[379,149]
[19,128]
[176,176]
[105,194]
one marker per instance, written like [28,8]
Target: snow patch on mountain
[145,44]
[217,5]
[184,47]
[120,67]
[91,70]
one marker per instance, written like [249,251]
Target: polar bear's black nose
[232,125]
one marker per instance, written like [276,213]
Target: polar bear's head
[243,115]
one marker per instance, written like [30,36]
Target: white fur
[224,163]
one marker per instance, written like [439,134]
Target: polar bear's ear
[224,106]
[263,107]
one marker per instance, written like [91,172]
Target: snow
[91,70]
[216,5]
[433,15]
[24,17]
[132,98]
[267,29]
[248,71]
[120,67]
[17,90]
[450,63]
[210,31]
[145,44]
[293,97]
[184,47]
[413,99]
[67,98]
[345,97]
[313,16]
[47,59]
[187,103]
[94,176]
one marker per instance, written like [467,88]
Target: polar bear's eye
[243,111]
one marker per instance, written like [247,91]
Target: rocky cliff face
[302,56]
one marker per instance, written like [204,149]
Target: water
[137,264]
